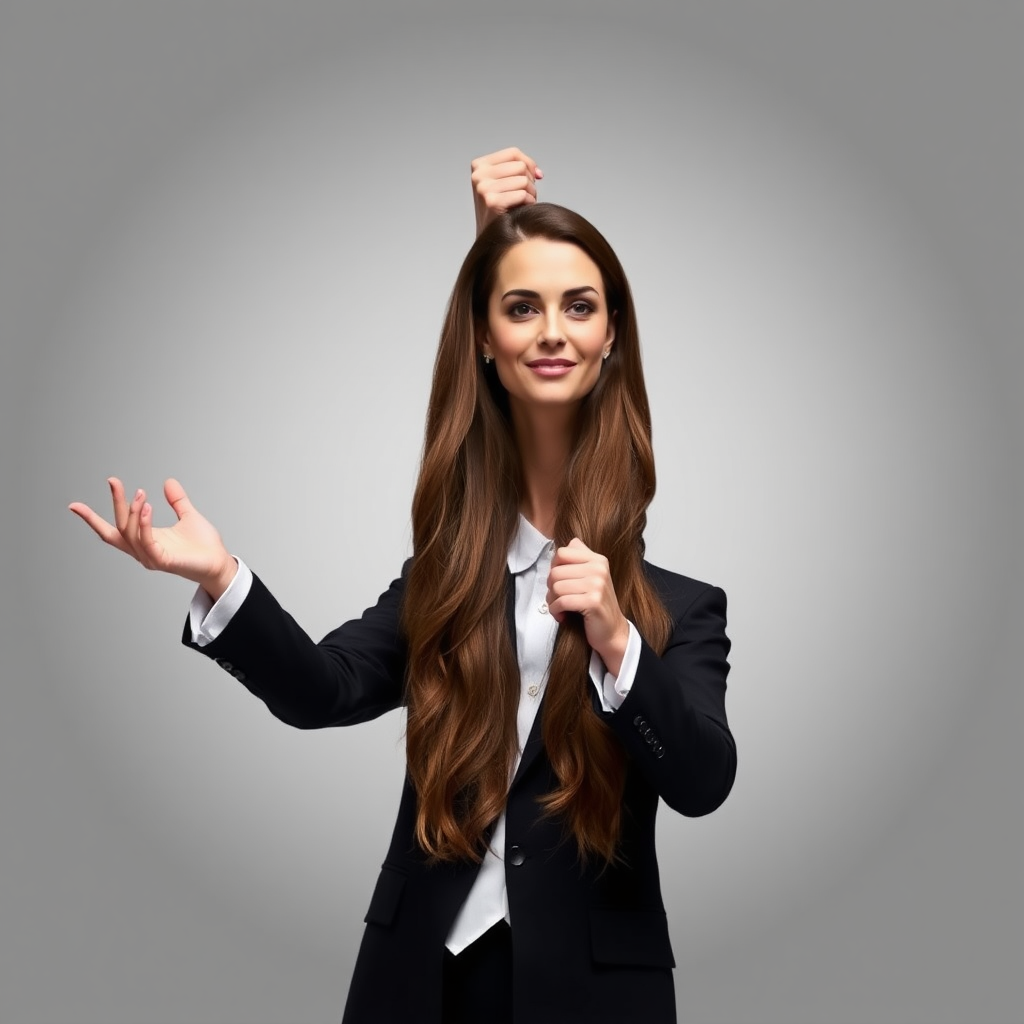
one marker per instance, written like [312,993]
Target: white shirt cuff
[208,619]
[612,690]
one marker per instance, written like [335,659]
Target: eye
[581,308]
[521,309]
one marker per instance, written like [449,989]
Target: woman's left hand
[580,581]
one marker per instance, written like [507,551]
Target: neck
[544,438]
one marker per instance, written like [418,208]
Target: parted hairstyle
[462,684]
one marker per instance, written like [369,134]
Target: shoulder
[679,592]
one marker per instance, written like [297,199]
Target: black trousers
[478,982]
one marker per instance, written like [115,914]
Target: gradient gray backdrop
[228,233]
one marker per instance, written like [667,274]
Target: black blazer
[588,944]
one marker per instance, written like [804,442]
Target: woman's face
[548,326]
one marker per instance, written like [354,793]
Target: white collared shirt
[529,561]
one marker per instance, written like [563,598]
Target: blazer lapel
[533,748]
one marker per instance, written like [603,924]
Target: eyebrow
[569,293]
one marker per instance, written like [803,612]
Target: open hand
[192,548]
[501,181]
[580,581]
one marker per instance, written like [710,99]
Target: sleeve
[354,674]
[611,690]
[207,618]
[672,721]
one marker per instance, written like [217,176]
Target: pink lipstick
[551,367]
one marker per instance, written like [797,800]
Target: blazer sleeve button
[516,857]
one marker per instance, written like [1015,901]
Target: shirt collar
[527,546]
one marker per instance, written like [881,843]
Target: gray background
[227,235]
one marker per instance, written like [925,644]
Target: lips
[551,367]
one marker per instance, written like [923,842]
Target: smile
[551,367]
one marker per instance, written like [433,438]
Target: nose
[551,330]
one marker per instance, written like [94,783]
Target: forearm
[672,722]
[354,674]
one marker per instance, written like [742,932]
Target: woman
[556,684]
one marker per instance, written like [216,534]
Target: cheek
[503,340]
[595,339]
[506,354]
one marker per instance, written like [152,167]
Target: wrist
[614,650]
[220,580]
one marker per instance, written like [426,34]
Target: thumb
[577,543]
[177,498]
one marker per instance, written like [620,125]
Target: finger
[572,587]
[504,156]
[501,156]
[573,553]
[130,533]
[177,498]
[507,193]
[107,532]
[498,156]
[507,200]
[152,552]
[513,183]
[486,179]
[578,596]
[582,604]
[120,504]
[584,583]
[516,169]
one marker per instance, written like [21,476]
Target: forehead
[541,264]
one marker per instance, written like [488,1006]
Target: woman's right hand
[192,548]
[501,181]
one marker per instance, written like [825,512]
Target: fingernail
[138,494]
[539,173]
[146,509]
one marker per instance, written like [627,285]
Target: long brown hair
[463,678]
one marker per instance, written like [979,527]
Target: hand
[501,181]
[192,548]
[580,581]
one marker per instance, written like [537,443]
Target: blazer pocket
[387,894]
[635,938]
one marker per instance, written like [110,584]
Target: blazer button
[516,857]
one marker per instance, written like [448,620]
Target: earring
[607,353]
[488,358]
